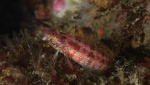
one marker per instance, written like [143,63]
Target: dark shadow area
[10,16]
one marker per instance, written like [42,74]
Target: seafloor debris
[118,29]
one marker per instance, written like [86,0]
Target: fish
[78,51]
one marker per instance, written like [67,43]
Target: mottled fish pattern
[77,51]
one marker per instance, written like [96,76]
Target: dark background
[10,16]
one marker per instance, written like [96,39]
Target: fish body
[77,51]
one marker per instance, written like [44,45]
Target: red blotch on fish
[78,51]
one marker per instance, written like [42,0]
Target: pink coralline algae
[58,5]
[78,51]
